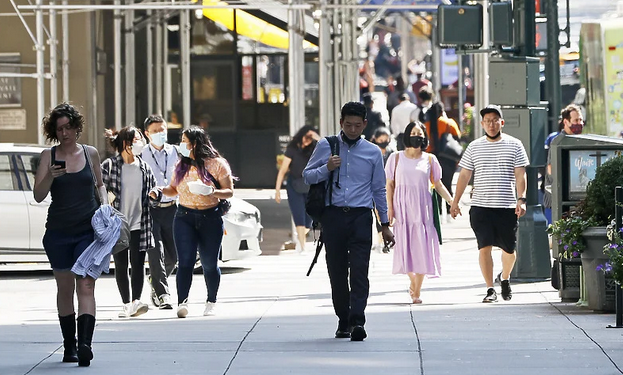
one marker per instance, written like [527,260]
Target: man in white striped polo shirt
[498,162]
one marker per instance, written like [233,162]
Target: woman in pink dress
[409,174]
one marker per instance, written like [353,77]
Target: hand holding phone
[60,163]
[57,168]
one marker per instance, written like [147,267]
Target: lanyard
[166,162]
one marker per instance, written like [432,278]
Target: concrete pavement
[271,319]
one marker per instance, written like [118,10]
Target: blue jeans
[197,230]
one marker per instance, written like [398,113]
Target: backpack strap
[334,146]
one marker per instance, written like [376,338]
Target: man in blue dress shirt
[162,158]
[359,185]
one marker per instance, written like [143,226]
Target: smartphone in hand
[60,163]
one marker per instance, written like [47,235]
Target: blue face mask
[184,150]
[158,139]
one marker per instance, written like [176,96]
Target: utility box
[529,126]
[515,81]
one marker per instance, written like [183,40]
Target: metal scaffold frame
[338,52]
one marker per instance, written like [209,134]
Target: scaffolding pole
[65,64]
[130,69]
[325,72]
[185,62]
[117,66]
[40,74]
[149,31]
[53,42]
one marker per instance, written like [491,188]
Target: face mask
[137,147]
[577,128]
[158,139]
[184,150]
[383,144]
[416,141]
[494,137]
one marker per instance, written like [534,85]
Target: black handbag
[224,205]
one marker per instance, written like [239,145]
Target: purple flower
[599,267]
[575,254]
[621,229]
[608,267]
[566,247]
[560,242]
[568,230]
[613,246]
[575,242]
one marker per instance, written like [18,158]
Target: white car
[22,219]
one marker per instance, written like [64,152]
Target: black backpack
[315,203]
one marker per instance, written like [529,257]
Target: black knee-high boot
[68,328]
[86,325]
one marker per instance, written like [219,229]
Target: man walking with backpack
[357,181]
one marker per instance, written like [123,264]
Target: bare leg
[486,265]
[86,295]
[301,232]
[65,286]
[416,286]
[508,262]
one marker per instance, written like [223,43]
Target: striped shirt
[493,164]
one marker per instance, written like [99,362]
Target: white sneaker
[127,309]
[209,309]
[182,309]
[138,308]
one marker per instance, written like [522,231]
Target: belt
[350,209]
[165,204]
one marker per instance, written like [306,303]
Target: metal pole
[481,74]
[65,64]
[337,72]
[53,41]
[150,64]
[354,62]
[94,130]
[461,90]
[185,61]
[130,69]
[552,65]
[40,73]
[296,67]
[324,77]
[404,48]
[117,67]
[436,58]
[159,65]
[618,210]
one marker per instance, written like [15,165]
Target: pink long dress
[417,245]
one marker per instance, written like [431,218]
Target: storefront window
[248,91]
[213,94]
[271,72]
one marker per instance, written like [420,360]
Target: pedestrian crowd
[172,199]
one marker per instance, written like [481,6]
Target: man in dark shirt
[375,120]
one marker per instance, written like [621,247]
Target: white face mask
[158,139]
[137,147]
[184,150]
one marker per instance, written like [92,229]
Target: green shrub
[599,201]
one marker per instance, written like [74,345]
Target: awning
[250,26]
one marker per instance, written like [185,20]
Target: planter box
[599,289]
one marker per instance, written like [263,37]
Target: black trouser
[137,261]
[347,236]
[163,256]
[448,167]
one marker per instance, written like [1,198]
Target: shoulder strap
[430,162]
[334,146]
[52,154]
[396,165]
[88,157]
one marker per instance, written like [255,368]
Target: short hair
[152,119]
[382,130]
[76,120]
[425,94]
[407,134]
[354,109]
[404,97]
[566,112]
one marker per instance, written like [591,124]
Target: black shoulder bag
[315,204]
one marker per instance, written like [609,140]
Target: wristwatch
[385,224]
[523,199]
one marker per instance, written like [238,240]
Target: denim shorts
[63,249]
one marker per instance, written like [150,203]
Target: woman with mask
[382,138]
[129,180]
[201,179]
[409,175]
[295,159]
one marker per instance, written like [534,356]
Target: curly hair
[76,120]
[120,140]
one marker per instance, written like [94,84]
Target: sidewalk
[271,319]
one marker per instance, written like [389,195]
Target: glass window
[211,38]
[8,180]
[248,91]
[271,72]
[31,163]
[213,94]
